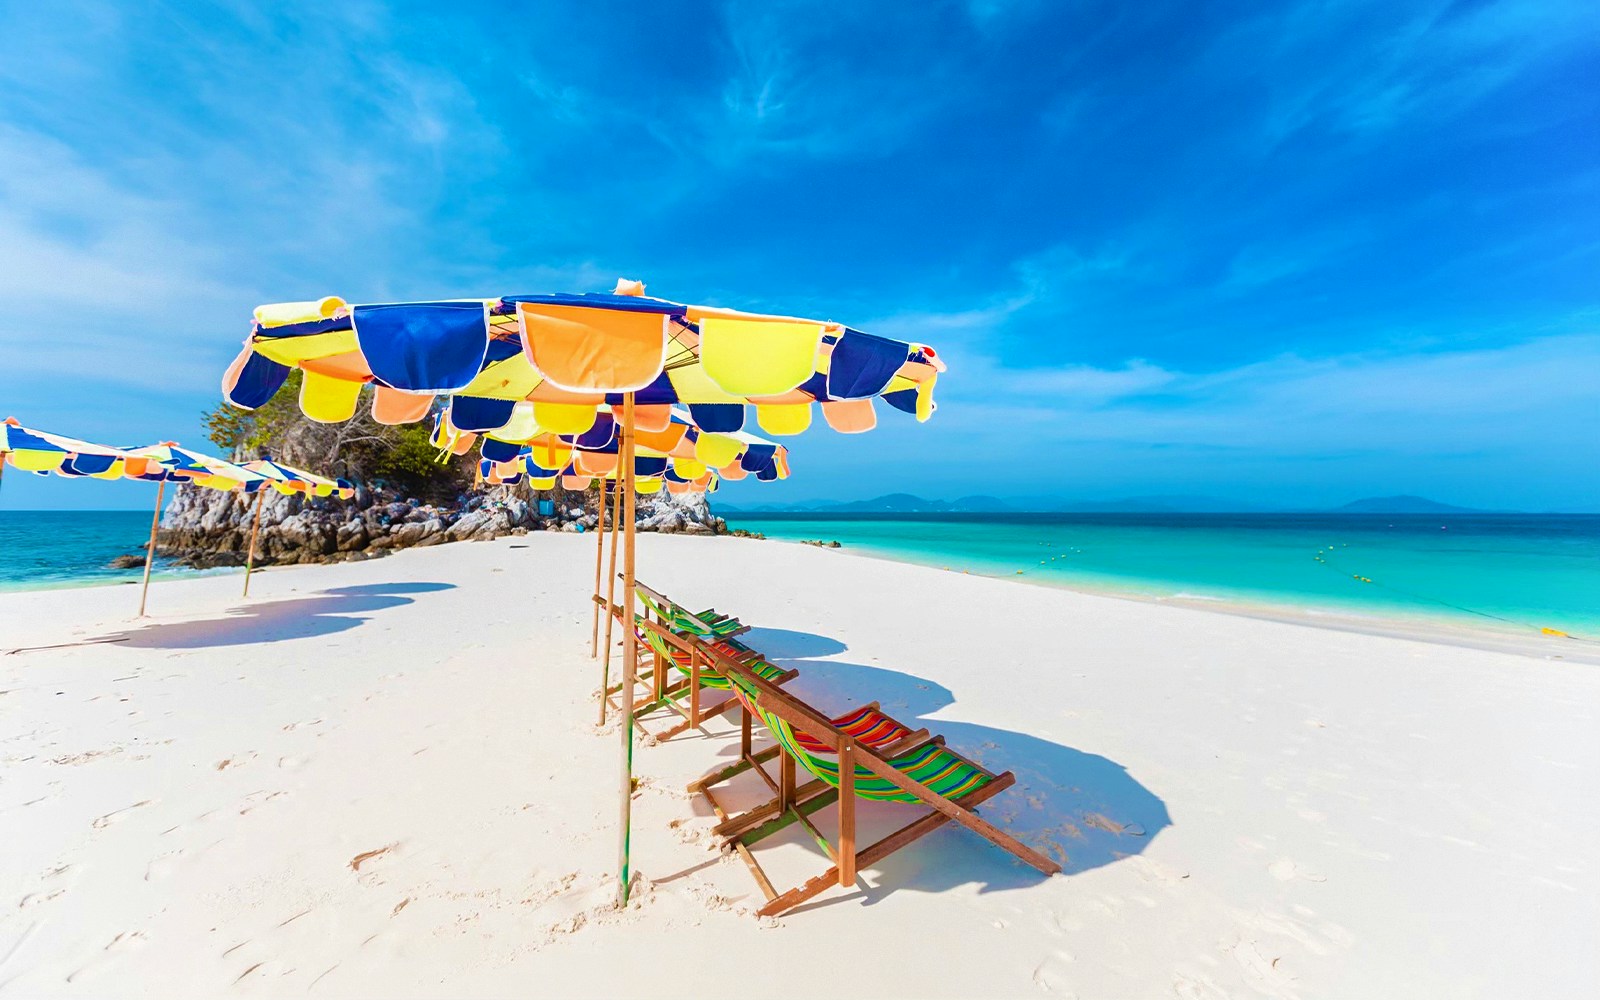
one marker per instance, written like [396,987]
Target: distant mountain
[906,503]
[893,503]
[1161,505]
[1401,505]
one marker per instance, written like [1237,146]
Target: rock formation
[202,527]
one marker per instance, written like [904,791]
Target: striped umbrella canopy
[166,462]
[650,474]
[287,479]
[679,453]
[42,452]
[571,355]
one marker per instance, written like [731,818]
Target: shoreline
[1444,629]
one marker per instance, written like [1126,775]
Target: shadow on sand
[325,613]
[1082,809]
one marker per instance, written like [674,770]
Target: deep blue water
[1516,571]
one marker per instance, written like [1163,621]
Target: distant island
[1402,505]
[906,503]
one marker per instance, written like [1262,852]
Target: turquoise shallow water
[1532,571]
[50,548]
[1497,570]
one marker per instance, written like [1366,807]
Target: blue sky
[1292,252]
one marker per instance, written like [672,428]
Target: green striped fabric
[683,623]
[931,765]
[709,678]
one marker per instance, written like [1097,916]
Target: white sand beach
[384,779]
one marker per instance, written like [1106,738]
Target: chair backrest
[670,611]
[941,769]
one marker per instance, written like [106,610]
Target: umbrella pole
[611,592]
[630,643]
[255,526]
[150,550]
[599,558]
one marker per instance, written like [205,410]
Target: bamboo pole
[630,643]
[255,527]
[150,550]
[611,594]
[847,814]
[599,559]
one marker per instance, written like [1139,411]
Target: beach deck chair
[707,624]
[867,724]
[845,768]
[676,640]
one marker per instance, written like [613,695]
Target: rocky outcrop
[204,528]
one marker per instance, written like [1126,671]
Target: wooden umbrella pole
[630,644]
[255,526]
[150,550]
[611,594]
[599,559]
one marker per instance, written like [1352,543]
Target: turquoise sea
[1507,571]
[62,548]
[1504,571]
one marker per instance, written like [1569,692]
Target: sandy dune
[385,779]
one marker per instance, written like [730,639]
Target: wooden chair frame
[791,807]
[682,697]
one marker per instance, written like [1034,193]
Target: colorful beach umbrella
[287,480]
[44,453]
[679,457]
[166,462]
[577,358]
[571,355]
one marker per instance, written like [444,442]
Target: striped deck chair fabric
[710,679]
[943,771]
[707,624]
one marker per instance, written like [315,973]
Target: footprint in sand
[236,760]
[1285,870]
[366,857]
[1261,972]
[1050,975]
[125,941]
[255,799]
[1154,871]
[163,865]
[115,815]
[1196,987]
[1109,825]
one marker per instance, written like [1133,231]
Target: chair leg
[694,689]
[847,814]
[785,782]
[760,819]
[874,853]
